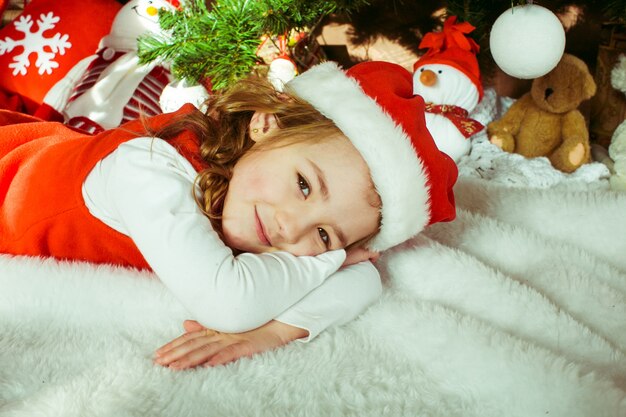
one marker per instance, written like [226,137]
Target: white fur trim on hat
[397,172]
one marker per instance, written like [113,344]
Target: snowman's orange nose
[428,78]
[151,10]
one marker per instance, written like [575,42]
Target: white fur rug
[517,308]
[490,162]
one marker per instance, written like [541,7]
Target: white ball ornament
[177,93]
[527,41]
[281,71]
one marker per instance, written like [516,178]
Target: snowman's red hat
[452,47]
[374,106]
[174,3]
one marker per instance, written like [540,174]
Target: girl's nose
[290,226]
[428,78]
[152,11]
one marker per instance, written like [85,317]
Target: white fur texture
[488,161]
[382,144]
[618,74]
[517,308]
[617,149]
[617,152]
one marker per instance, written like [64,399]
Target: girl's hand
[356,255]
[202,346]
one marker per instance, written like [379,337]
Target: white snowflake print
[45,48]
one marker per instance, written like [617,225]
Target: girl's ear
[262,125]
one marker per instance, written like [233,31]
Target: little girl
[245,213]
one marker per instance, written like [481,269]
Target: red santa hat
[452,47]
[374,106]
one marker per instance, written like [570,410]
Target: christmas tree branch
[616,9]
[221,43]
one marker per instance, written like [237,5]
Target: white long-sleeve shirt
[144,190]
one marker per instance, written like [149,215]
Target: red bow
[458,116]
[452,36]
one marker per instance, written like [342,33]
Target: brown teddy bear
[546,122]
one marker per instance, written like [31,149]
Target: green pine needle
[221,44]
[616,10]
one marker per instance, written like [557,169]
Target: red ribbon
[452,36]
[458,116]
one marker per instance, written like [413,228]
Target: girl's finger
[184,339]
[192,326]
[180,351]
[356,255]
[177,342]
[199,355]
[175,353]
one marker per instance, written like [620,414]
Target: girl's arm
[143,190]
[202,346]
[340,299]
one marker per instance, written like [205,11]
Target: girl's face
[302,198]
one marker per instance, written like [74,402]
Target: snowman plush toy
[447,76]
[112,87]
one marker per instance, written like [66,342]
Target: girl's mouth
[260,230]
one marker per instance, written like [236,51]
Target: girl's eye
[324,236]
[439,71]
[304,186]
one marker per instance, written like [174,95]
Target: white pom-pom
[618,74]
[617,152]
[527,41]
[282,70]
[175,94]
[617,148]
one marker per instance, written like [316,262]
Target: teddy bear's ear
[589,88]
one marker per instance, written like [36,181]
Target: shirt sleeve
[144,189]
[340,299]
